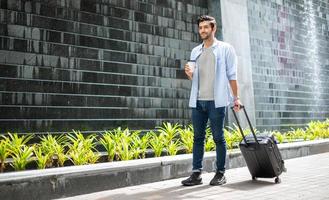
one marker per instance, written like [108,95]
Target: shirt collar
[214,44]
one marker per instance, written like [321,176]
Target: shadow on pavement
[250,184]
[196,192]
[172,193]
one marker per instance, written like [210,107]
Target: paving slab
[307,178]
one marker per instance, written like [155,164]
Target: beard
[205,36]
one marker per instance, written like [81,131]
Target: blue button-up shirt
[225,70]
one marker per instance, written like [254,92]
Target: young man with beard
[213,71]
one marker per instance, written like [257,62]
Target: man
[214,80]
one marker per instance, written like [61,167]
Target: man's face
[205,30]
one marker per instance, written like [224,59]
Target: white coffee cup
[191,65]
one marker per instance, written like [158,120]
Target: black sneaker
[194,179]
[219,179]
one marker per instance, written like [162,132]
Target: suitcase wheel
[254,178]
[277,180]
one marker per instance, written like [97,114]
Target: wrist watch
[236,98]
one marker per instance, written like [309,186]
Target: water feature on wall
[290,61]
[312,40]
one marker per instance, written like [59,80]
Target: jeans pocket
[199,106]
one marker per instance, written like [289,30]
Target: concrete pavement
[306,178]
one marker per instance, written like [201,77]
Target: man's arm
[231,71]
[234,87]
[235,91]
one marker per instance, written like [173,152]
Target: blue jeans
[206,110]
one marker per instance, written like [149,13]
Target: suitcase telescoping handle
[237,121]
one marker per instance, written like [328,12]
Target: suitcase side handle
[238,122]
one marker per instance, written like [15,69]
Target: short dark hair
[207,18]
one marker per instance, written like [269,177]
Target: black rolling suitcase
[261,153]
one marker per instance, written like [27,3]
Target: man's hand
[237,104]
[188,71]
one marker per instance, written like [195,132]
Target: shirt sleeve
[231,63]
[192,56]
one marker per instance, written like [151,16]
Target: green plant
[118,135]
[279,136]
[20,153]
[47,144]
[169,132]
[83,157]
[61,156]
[92,157]
[139,144]
[325,129]
[81,148]
[186,136]
[210,144]
[295,134]
[233,135]
[173,147]
[124,150]
[21,157]
[300,134]
[123,144]
[312,137]
[318,129]
[42,158]
[16,142]
[289,136]
[144,143]
[4,152]
[52,146]
[77,157]
[230,139]
[157,143]
[109,145]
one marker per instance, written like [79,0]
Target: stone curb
[75,180]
